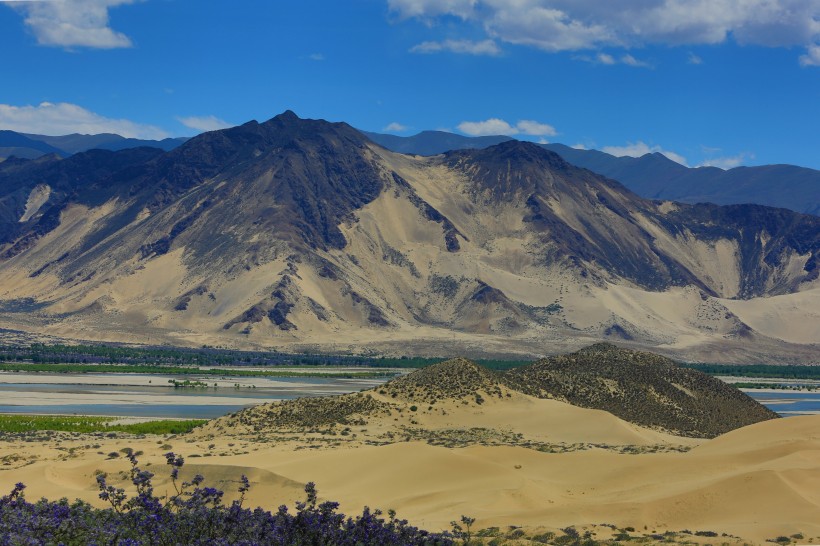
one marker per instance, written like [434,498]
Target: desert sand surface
[512,461]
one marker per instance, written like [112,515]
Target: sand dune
[757,482]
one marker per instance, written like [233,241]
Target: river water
[788,403]
[138,395]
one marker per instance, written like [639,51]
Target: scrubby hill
[635,391]
[642,388]
[455,379]
[306,413]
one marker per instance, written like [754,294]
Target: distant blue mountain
[654,176]
[30,146]
[19,145]
[75,143]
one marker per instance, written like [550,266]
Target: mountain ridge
[32,146]
[292,232]
[653,175]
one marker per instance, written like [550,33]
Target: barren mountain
[306,234]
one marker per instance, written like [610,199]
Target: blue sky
[722,82]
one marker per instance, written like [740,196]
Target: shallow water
[788,403]
[148,400]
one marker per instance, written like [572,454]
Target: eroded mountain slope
[303,232]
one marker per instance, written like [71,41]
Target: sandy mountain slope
[302,233]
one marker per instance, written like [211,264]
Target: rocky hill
[642,388]
[305,234]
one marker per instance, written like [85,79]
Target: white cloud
[812,56]
[316,57]
[204,123]
[640,148]
[561,25]
[64,118]
[607,59]
[579,146]
[395,127]
[432,8]
[632,61]
[603,58]
[496,126]
[694,59]
[492,126]
[72,23]
[529,127]
[727,162]
[484,47]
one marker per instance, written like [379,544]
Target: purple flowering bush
[195,514]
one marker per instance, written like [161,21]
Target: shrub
[194,514]
[544,538]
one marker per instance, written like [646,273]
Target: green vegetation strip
[39,353]
[759,370]
[37,423]
[419,362]
[181,370]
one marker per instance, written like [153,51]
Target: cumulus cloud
[640,148]
[72,23]
[529,127]
[395,127]
[484,47]
[64,118]
[562,25]
[492,126]
[496,126]
[204,123]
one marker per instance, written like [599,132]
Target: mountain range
[29,146]
[653,175]
[305,234]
